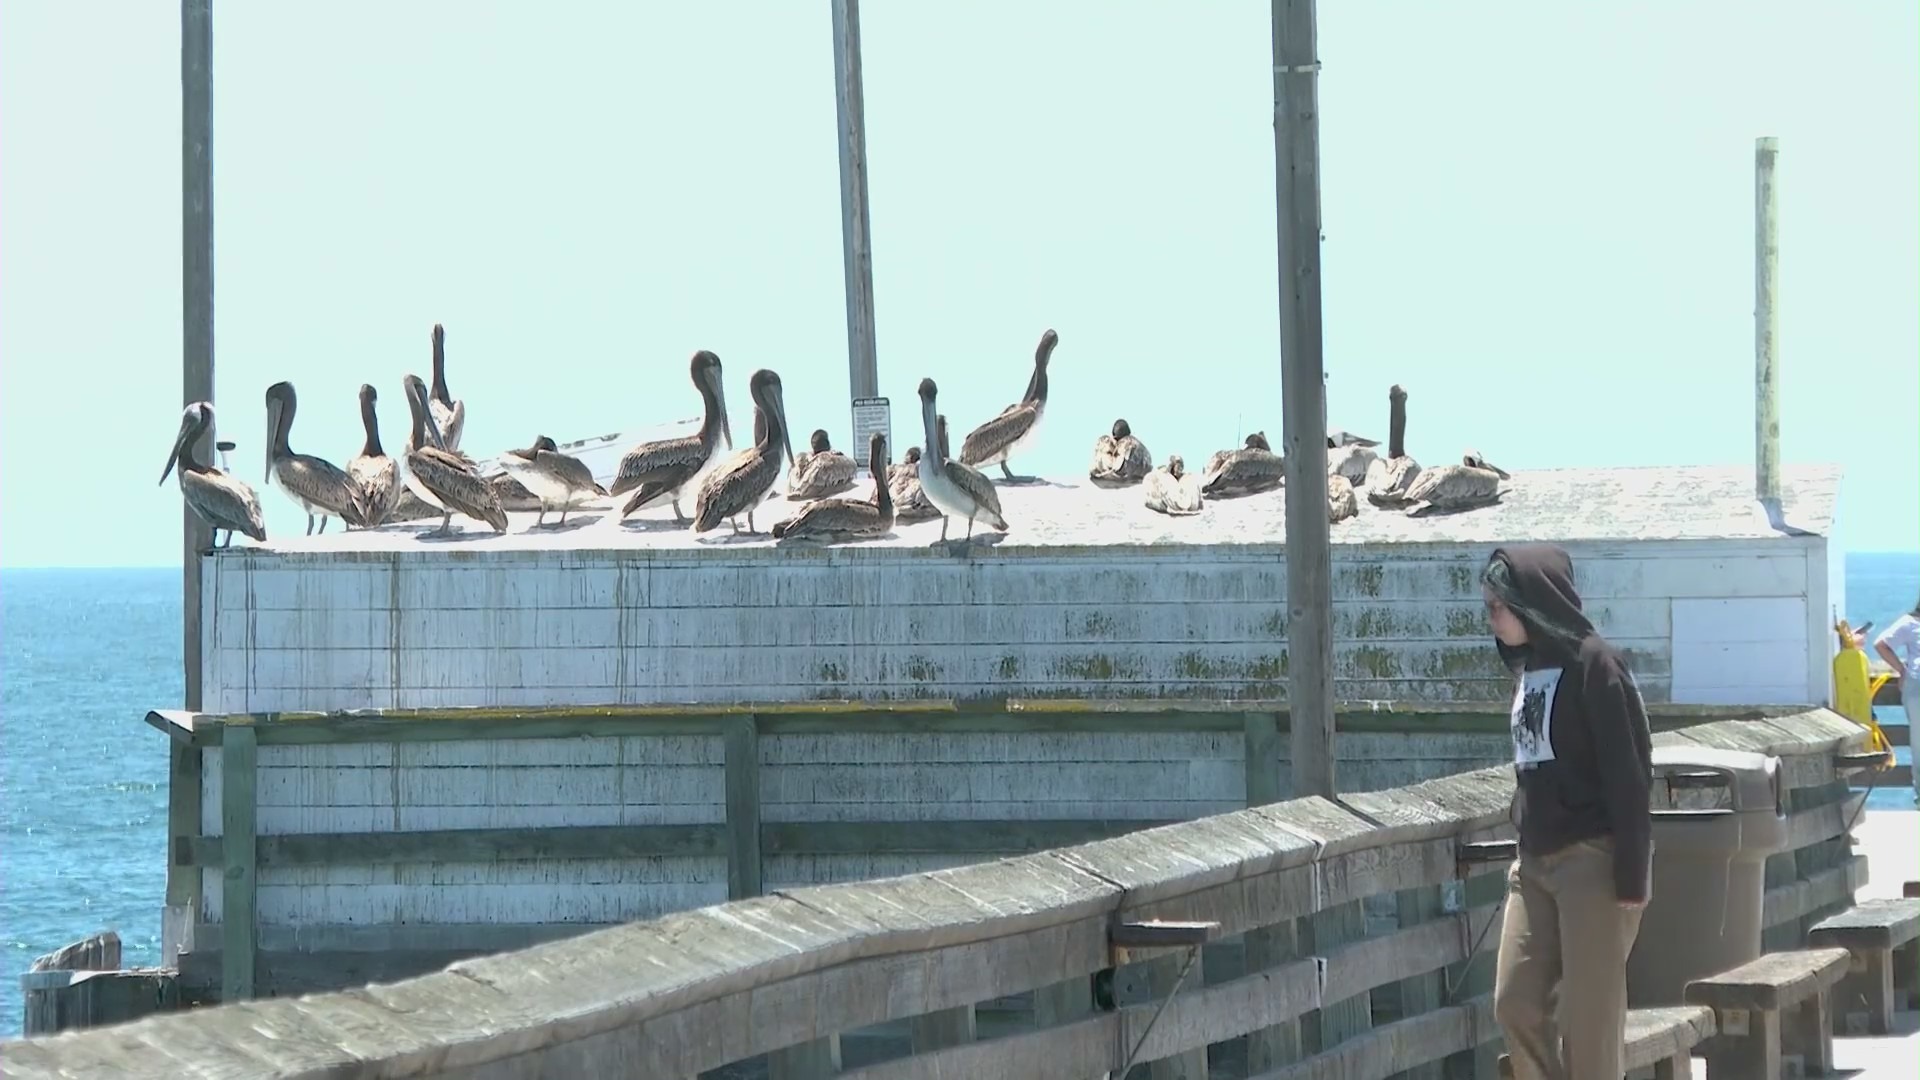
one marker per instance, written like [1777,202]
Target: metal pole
[1296,152]
[1766,324]
[196,293]
[850,104]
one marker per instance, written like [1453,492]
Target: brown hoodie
[1582,753]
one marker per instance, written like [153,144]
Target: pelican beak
[780,410]
[720,398]
[1497,470]
[179,443]
[273,428]
[433,430]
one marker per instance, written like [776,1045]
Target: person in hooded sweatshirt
[1583,764]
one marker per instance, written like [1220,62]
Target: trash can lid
[1752,780]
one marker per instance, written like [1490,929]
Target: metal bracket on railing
[1869,760]
[1478,852]
[1124,938]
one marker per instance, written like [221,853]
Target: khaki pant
[1565,936]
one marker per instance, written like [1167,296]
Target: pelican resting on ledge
[993,442]
[221,499]
[820,471]
[315,484]
[1450,489]
[958,490]
[1120,458]
[830,521]
[374,476]
[1389,478]
[451,415]
[744,480]
[659,471]
[558,481]
[1173,490]
[903,485]
[446,479]
[1249,470]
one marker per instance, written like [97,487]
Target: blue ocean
[83,788]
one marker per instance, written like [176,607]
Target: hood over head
[1535,581]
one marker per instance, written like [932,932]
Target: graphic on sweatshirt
[1531,721]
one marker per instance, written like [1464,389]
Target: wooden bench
[1768,1009]
[1883,937]
[1660,1039]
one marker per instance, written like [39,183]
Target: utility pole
[196,295]
[1766,327]
[1296,153]
[870,411]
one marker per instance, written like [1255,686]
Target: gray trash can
[1717,815]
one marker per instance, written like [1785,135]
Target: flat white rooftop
[1560,505]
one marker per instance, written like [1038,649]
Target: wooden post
[1296,151]
[850,104]
[1766,325]
[196,295]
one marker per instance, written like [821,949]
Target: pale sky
[1538,218]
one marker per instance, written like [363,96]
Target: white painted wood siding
[320,631]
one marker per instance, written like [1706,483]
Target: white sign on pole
[870,415]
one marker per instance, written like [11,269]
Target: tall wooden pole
[850,105]
[1296,152]
[196,292]
[1766,325]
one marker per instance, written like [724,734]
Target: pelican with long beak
[1389,478]
[957,490]
[442,478]
[375,477]
[315,484]
[451,415]
[223,500]
[659,471]
[1450,489]
[1014,430]
[828,521]
[744,480]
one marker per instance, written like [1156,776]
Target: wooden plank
[239,923]
[1778,980]
[470,845]
[185,881]
[979,837]
[743,807]
[1398,1046]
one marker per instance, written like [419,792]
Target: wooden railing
[1114,942]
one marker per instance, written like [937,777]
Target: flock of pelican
[433,476]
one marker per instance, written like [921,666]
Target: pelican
[223,500]
[661,470]
[1341,503]
[514,496]
[559,481]
[829,520]
[444,478]
[1257,440]
[1173,490]
[374,478]
[1388,478]
[1349,456]
[743,480]
[821,471]
[957,489]
[903,486]
[1446,489]
[1252,468]
[316,485]
[993,442]
[1120,458]
[451,415]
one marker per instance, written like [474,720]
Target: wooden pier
[1043,964]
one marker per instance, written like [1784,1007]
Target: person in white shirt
[1899,646]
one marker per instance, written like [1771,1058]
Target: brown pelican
[993,442]
[903,485]
[956,489]
[1173,490]
[1252,468]
[316,485]
[410,507]
[821,471]
[1341,503]
[661,469]
[742,481]
[1388,478]
[374,478]
[1446,489]
[828,521]
[451,415]
[1350,456]
[444,478]
[559,481]
[223,500]
[514,496]
[1120,458]
[1256,440]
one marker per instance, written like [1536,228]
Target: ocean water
[83,799]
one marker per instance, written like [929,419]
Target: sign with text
[870,415]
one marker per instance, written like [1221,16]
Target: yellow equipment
[1853,690]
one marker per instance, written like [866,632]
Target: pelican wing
[734,487]
[571,470]
[822,474]
[1389,479]
[833,519]
[224,501]
[1245,471]
[452,420]
[318,481]
[451,476]
[1341,503]
[663,461]
[999,433]
[976,485]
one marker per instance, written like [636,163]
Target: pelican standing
[559,481]
[837,520]
[821,471]
[374,477]
[743,481]
[1119,458]
[1341,503]
[903,485]
[316,485]
[1173,490]
[957,489]
[1249,470]
[1389,478]
[223,500]
[1449,489]
[451,415]
[993,442]
[445,479]
[660,470]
